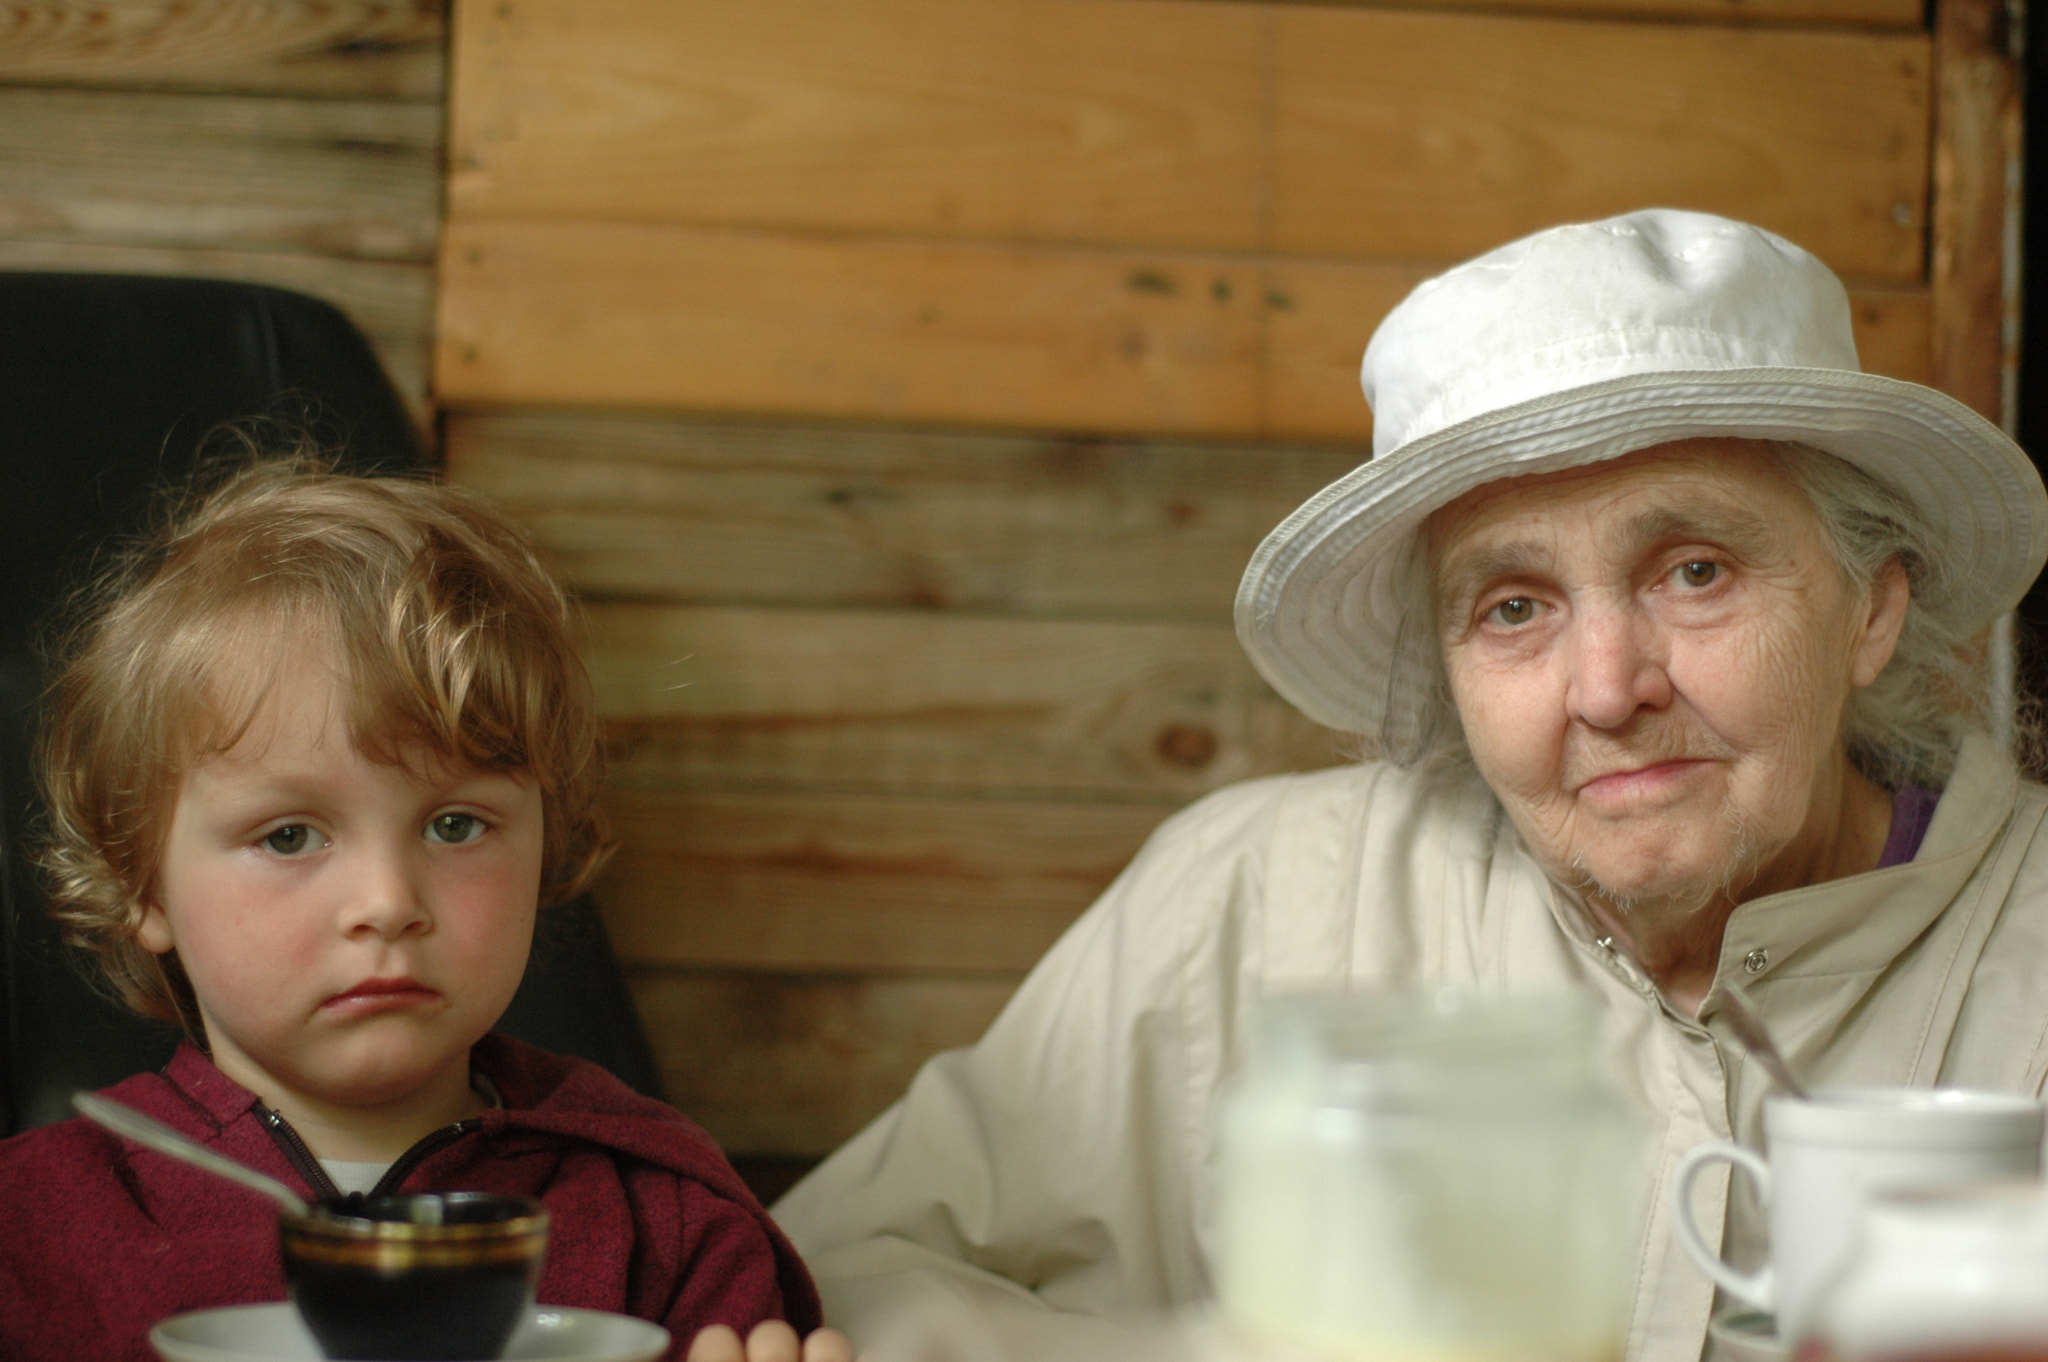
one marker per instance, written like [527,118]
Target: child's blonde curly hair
[456,643]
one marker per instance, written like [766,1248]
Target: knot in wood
[1186,745]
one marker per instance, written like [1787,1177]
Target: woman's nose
[1617,668]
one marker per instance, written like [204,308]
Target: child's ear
[153,929]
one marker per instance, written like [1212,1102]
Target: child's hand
[771,1341]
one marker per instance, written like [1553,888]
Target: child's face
[350,928]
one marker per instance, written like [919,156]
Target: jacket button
[1755,961]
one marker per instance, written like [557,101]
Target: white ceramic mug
[1829,1152]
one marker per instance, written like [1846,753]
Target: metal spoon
[131,1124]
[1749,1028]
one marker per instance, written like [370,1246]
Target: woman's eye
[1514,610]
[455,828]
[292,839]
[1697,574]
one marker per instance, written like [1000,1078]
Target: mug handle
[1757,1288]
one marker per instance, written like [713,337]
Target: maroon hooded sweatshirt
[101,1239]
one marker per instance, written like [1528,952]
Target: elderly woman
[1663,626]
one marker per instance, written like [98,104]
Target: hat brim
[1319,608]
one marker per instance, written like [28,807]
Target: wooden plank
[776,1066]
[1894,332]
[1897,15]
[862,883]
[1319,129]
[1976,84]
[664,508]
[359,48]
[1319,315]
[1420,136]
[333,177]
[614,314]
[917,701]
[392,304]
[1037,119]
[1043,338]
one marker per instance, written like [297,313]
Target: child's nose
[387,901]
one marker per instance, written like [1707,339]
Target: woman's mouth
[1654,781]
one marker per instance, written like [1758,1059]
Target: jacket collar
[211,1093]
[1861,923]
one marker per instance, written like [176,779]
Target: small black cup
[443,1276]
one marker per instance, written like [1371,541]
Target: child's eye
[455,828]
[292,839]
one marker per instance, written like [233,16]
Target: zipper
[302,1158]
[427,1144]
[298,1155]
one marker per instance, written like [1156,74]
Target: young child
[316,754]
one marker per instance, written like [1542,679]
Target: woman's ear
[1890,594]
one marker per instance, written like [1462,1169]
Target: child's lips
[381,995]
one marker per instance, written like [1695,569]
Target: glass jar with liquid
[1438,1177]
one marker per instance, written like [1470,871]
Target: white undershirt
[355,1175]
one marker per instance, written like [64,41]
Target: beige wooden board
[656,507]
[1041,337]
[866,883]
[392,304]
[1045,119]
[1321,129]
[539,313]
[923,701]
[299,47]
[352,178]
[1412,135]
[773,1065]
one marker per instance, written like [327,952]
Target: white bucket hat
[1585,343]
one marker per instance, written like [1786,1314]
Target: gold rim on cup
[332,1237]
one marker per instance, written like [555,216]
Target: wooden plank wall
[888,707]
[906,383]
[288,142]
[1139,216]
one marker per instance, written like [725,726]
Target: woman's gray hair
[1904,728]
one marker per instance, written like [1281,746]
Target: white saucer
[273,1333]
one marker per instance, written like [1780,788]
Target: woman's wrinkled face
[1651,658]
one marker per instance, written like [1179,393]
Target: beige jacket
[1066,1160]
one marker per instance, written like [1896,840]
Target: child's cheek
[498,899]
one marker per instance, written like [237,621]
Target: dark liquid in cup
[448,1314]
